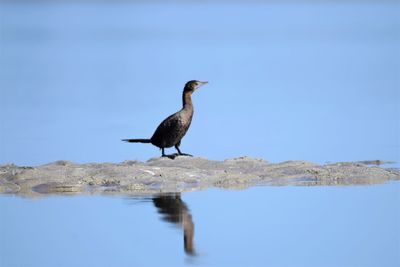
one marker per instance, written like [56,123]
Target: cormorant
[171,131]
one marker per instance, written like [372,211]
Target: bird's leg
[167,156]
[180,153]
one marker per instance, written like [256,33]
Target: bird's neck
[187,100]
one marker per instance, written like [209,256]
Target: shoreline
[183,174]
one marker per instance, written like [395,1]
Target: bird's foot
[173,156]
[184,154]
[170,156]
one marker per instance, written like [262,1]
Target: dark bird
[171,131]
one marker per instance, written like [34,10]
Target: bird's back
[172,129]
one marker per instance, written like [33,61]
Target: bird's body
[171,130]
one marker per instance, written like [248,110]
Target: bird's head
[191,86]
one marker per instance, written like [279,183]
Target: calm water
[268,226]
[294,80]
[289,80]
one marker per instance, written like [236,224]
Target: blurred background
[309,80]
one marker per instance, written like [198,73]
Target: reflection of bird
[171,131]
[174,210]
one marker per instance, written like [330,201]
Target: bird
[171,130]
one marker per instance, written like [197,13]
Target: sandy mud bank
[163,175]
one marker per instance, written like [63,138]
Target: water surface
[268,226]
[306,80]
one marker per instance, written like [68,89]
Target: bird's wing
[168,131]
[170,123]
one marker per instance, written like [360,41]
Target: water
[289,80]
[306,80]
[274,226]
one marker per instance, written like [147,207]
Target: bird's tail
[137,140]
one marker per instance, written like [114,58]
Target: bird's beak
[201,84]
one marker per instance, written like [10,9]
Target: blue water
[294,80]
[288,80]
[269,226]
